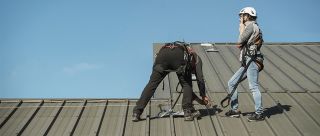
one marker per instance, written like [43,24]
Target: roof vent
[210,47]
[206,44]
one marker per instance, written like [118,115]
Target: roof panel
[159,126]
[306,54]
[312,52]
[280,59]
[136,128]
[301,64]
[62,124]
[214,83]
[299,117]
[277,74]
[90,119]
[276,116]
[114,119]
[41,121]
[221,67]
[207,124]
[316,95]
[183,128]
[7,110]
[309,105]
[19,119]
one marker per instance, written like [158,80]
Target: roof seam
[313,50]
[286,114]
[221,82]
[26,122]
[125,120]
[277,67]
[308,48]
[299,59]
[279,56]
[11,113]
[56,115]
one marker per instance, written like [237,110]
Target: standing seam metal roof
[290,86]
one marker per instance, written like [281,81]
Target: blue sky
[103,48]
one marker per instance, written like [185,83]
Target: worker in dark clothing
[176,57]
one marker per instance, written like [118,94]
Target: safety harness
[253,50]
[184,69]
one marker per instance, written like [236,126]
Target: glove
[253,50]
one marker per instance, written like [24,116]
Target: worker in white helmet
[249,42]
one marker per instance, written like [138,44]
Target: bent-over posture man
[176,56]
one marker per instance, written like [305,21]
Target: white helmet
[250,10]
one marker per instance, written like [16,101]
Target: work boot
[189,115]
[135,117]
[232,113]
[256,117]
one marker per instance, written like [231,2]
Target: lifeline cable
[174,104]
[228,97]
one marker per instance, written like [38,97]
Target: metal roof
[290,85]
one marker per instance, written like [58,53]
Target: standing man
[176,56]
[249,42]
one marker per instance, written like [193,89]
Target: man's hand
[206,101]
[241,25]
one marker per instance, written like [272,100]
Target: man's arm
[200,79]
[245,35]
[199,75]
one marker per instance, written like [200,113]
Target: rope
[228,97]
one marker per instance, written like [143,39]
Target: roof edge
[265,43]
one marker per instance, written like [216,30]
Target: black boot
[135,117]
[256,117]
[232,113]
[189,115]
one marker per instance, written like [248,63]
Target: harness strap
[170,46]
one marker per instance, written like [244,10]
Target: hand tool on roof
[167,110]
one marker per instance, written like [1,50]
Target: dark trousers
[172,59]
